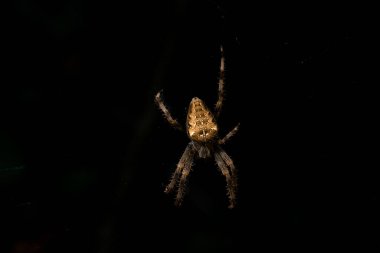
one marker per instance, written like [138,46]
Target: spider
[202,129]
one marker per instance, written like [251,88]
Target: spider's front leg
[219,103]
[228,169]
[181,173]
[166,112]
[182,182]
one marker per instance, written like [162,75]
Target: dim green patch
[10,175]
[206,241]
[79,181]
[11,162]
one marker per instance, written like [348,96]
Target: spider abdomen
[201,124]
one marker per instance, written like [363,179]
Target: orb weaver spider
[202,129]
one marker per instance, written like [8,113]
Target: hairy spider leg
[166,112]
[219,103]
[186,158]
[230,164]
[230,175]
[229,135]
[182,182]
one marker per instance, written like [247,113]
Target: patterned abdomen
[201,124]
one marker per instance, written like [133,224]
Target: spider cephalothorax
[202,129]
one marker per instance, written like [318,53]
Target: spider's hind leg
[219,103]
[229,135]
[166,112]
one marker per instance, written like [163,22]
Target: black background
[85,153]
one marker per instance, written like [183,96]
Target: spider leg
[229,135]
[227,159]
[187,157]
[166,112]
[182,182]
[228,169]
[219,103]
